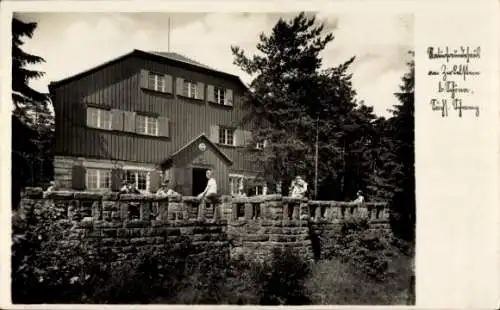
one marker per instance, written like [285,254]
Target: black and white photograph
[223,158]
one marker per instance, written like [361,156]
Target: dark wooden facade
[119,85]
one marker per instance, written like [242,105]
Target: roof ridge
[180,57]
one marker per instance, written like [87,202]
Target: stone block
[159,223]
[137,223]
[60,195]
[173,231]
[87,195]
[122,232]
[33,192]
[282,238]
[110,196]
[256,238]
[138,241]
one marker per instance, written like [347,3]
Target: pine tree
[403,134]
[291,100]
[32,123]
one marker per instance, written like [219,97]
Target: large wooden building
[147,116]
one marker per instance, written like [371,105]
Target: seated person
[129,188]
[210,192]
[165,191]
[52,187]
[298,188]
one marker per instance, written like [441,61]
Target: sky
[74,42]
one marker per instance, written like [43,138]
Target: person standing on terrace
[359,197]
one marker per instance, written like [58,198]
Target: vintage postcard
[321,154]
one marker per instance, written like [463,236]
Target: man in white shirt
[210,191]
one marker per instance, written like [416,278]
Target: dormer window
[219,95]
[189,89]
[157,82]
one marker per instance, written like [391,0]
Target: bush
[333,282]
[283,279]
[363,248]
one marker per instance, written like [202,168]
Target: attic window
[189,89]
[219,95]
[156,82]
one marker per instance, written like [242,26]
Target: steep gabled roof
[159,56]
[202,137]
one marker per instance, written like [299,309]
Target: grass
[333,282]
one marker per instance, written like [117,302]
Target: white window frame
[159,82]
[99,176]
[135,172]
[261,145]
[239,181]
[218,91]
[256,188]
[99,122]
[226,136]
[147,121]
[190,87]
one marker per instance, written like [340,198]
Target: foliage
[289,93]
[32,121]
[363,248]
[403,135]
[283,279]
[292,99]
[333,282]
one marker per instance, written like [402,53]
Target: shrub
[333,282]
[364,248]
[283,279]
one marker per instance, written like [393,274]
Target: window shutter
[168,84]
[179,180]
[229,97]
[116,119]
[242,137]
[129,121]
[210,93]
[144,78]
[164,126]
[89,116]
[214,133]
[247,137]
[179,86]
[154,181]
[116,179]
[200,92]
[78,177]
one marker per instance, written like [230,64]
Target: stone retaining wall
[252,226]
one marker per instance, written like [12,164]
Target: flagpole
[169,34]
[316,162]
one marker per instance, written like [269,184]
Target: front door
[199,180]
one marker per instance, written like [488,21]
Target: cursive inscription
[453,73]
